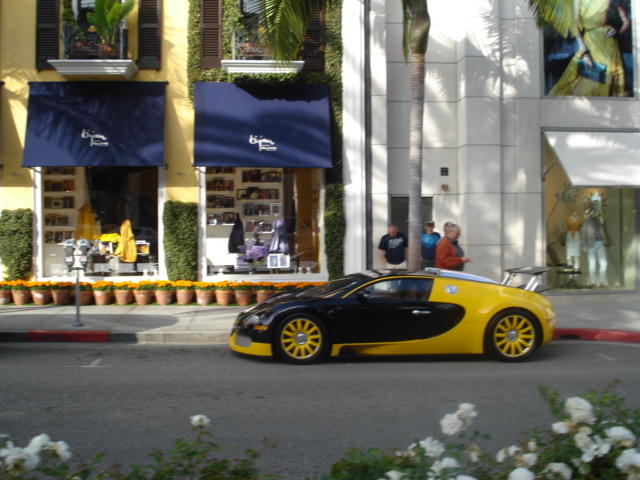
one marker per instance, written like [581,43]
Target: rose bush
[594,436]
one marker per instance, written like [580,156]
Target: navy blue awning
[95,124]
[262,126]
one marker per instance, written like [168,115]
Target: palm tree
[283,25]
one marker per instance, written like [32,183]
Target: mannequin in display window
[594,237]
[573,225]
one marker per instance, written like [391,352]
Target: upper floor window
[246,40]
[65,32]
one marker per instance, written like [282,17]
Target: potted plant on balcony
[106,19]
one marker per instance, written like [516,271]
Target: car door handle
[421,312]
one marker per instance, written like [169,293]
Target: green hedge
[180,221]
[16,243]
[334,230]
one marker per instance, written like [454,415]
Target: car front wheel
[301,339]
[512,336]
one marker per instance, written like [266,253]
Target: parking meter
[81,252]
[69,247]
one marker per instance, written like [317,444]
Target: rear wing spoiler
[534,283]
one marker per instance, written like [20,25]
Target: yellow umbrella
[86,227]
[126,249]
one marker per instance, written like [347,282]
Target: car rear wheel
[512,336]
[301,339]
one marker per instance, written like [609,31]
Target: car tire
[512,336]
[301,339]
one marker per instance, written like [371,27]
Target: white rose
[451,424]
[579,409]
[466,411]
[521,474]
[464,477]
[561,428]
[561,469]
[527,460]
[629,460]
[38,443]
[473,453]
[620,435]
[61,449]
[200,421]
[394,475]
[439,465]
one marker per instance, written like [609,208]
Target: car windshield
[336,286]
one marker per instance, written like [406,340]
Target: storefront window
[590,52]
[591,234]
[97,203]
[262,220]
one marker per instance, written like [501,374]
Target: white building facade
[502,158]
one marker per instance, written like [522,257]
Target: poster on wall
[588,49]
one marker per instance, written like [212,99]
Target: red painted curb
[66,336]
[596,334]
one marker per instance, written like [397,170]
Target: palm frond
[559,15]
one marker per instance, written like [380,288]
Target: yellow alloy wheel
[301,339]
[512,336]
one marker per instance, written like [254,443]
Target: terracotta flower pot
[41,297]
[123,297]
[224,297]
[5,297]
[164,297]
[262,295]
[184,297]
[86,297]
[60,297]
[102,297]
[243,297]
[21,297]
[204,297]
[143,297]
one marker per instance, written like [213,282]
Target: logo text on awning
[264,144]
[95,139]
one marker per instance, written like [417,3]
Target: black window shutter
[313,44]
[211,33]
[149,15]
[47,33]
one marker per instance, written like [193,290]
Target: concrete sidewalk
[589,317]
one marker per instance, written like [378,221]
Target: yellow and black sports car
[391,313]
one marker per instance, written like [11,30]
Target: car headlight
[253,319]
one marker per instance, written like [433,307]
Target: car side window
[399,289]
[414,288]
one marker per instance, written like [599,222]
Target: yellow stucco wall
[17,60]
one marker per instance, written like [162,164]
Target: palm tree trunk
[415,160]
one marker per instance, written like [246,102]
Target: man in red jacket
[449,255]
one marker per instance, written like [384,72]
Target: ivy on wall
[16,243]
[180,220]
[332,76]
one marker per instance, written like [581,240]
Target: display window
[114,208]
[588,49]
[262,220]
[590,234]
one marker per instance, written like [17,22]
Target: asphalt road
[127,400]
